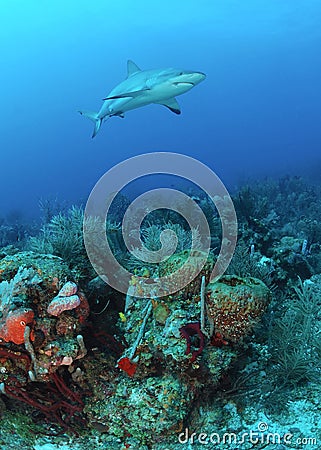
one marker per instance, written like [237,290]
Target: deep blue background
[258,112]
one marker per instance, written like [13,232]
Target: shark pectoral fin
[132,94]
[171,104]
[132,68]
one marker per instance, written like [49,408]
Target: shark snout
[198,77]
[185,81]
[192,78]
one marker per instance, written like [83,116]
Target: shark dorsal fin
[132,68]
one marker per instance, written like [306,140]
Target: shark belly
[148,98]
[135,103]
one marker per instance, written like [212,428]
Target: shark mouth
[178,83]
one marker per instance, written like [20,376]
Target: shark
[145,87]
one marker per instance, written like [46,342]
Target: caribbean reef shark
[144,87]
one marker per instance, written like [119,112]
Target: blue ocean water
[257,113]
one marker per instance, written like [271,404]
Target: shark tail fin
[94,118]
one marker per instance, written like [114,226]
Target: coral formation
[65,300]
[139,368]
[235,305]
[188,332]
[12,328]
[31,319]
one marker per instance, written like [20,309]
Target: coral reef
[168,353]
[137,370]
[142,410]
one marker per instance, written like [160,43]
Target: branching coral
[295,344]
[55,400]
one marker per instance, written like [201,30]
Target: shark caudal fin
[94,118]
